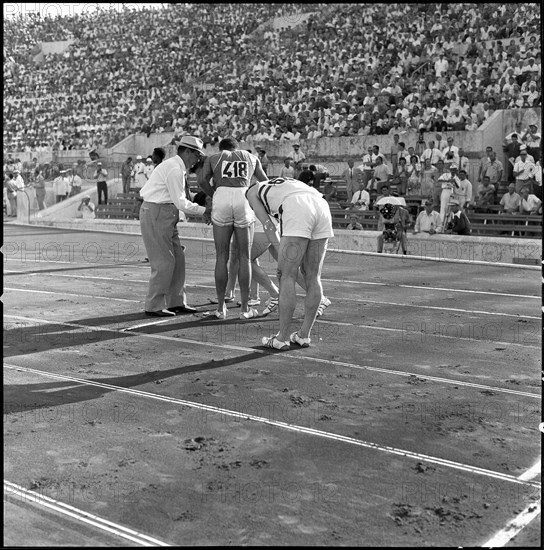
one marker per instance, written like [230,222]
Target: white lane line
[80,515]
[71,294]
[297,358]
[325,280]
[417,287]
[532,472]
[288,426]
[427,335]
[515,526]
[357,300]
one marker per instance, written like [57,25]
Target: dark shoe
[179,310]
[161,313]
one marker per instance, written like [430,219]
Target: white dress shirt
[166,185]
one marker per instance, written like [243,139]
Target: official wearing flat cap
[164,194]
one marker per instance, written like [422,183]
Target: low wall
[454,248]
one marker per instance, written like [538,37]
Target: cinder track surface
[411,420]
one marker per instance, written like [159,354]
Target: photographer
[86,209]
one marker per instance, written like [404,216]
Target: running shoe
[302,342]
[325,303]
[251,314]
[271,306]
[216,314]
[274,343]
[250,303]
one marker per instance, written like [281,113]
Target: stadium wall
[490,250]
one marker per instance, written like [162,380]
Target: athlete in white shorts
[305,227]
[231,171]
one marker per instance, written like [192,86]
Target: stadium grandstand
[267,74]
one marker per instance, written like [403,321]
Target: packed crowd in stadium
[211,71]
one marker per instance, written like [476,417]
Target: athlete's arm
[259,173]
[262,215]
[204,176]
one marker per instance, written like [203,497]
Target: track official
[164,195]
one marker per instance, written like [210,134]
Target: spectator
[297,157]
[529,204]
[361,199]
[428,220]
[510,201]
[381,175]
[320,173]
[39,186]
[330,191]
[432,153]
[485,195]
[354,223]
[457,222]
[451,151]
[484,161]
[428,178]
[126,174]
[414,176]
[464,163]
[138,173]
[512,151]
[11,192]
[464,193]
[74,181]
[61,186]
[400,180]
[532,138]
[523,170]
[148,168]
[493,169]
[101,185]
[449,183]
[306,176]
[287,171]
[86,208]
[350,175]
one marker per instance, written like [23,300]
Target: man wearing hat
[101,186]
[138,173]
[164,195]
[524,169]
[457,222]
[149,167]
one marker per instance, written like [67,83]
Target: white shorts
[230,207]
[306,216]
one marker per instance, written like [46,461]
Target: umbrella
[388,200]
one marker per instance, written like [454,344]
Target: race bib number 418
[234,169]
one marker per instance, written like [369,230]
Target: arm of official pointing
[179,198]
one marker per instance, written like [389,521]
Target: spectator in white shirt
[530,204]
[428,220]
